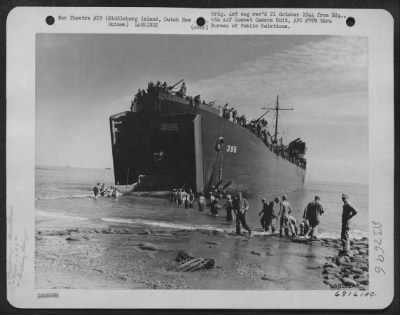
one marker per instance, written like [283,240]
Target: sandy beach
[75,255]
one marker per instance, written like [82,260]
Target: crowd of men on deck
[279,210]
[259,127]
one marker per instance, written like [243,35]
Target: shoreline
[118,256]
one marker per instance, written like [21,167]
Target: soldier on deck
[259,127]
[229,114]
[225,111]
[242,121]
[197,101]
[234,115]
[182,90]
[150,87]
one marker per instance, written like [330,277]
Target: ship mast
[277,109]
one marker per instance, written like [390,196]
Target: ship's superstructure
[175,141]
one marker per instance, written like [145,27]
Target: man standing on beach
[229,208]
[285,223]
[240,207]
[268,215]
[313,213]
[347,214]
[214,207]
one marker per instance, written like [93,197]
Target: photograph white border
[23,23]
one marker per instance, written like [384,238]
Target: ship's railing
[216,111]
[156,93]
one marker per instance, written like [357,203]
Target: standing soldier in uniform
[234,115]
[183,89]
[240,207]
[285,223]
[229,208]
[313,213]
[347,214]
[268,216]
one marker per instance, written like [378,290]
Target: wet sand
[103,256]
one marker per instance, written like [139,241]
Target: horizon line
[322,181]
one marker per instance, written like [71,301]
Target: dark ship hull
[175,144]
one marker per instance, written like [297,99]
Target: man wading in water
[240,207]
[229,207]
[96,190]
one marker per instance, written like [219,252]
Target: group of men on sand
[310,220]
[287,222]
[102,190]
[313,212]
[237,207]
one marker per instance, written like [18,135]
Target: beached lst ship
[175,141]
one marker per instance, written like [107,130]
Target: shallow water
[63,193]
[63,202]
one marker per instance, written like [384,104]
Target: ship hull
[246,161]
[197,150]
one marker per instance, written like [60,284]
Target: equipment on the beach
[187,263]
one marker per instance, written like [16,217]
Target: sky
[82,79]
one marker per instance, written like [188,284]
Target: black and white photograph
[200,167]
[201,162]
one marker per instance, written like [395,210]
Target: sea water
[65,193]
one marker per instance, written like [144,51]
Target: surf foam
[63,197]
[43,213]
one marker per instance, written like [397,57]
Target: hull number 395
[231,148]
[169,127]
